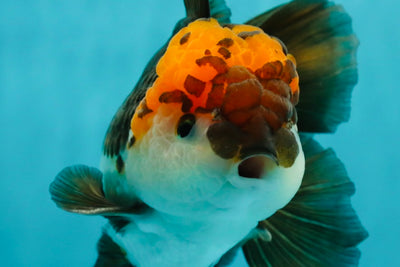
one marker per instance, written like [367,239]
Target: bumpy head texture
[240,77]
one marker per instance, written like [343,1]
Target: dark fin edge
[319,35]
[110,254]
[217,9]
[319,226]
[197,9]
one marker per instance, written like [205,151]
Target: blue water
[66,66]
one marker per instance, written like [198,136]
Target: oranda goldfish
[213,150]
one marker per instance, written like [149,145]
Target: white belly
[201,206]
[199,233]
[158,240]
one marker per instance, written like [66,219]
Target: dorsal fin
[197,9]
[319,35]
[204,9]
[220,11]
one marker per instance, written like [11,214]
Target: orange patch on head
[201,61]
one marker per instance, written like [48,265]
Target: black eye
[185,124]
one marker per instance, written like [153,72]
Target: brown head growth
[238,76]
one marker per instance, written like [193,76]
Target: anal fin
[110,254]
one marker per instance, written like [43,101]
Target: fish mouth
[254,167]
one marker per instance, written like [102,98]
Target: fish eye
[185,124]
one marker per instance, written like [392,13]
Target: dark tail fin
[318,227]
[319,35]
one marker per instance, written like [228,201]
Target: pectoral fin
[319,226]
[79,189]
[319,35]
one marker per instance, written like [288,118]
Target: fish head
[221,108]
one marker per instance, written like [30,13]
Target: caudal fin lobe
[319,226]
[319,34]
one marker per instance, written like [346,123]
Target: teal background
[66,66]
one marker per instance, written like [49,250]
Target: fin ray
[319,35]
[78,189]
[319,226]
